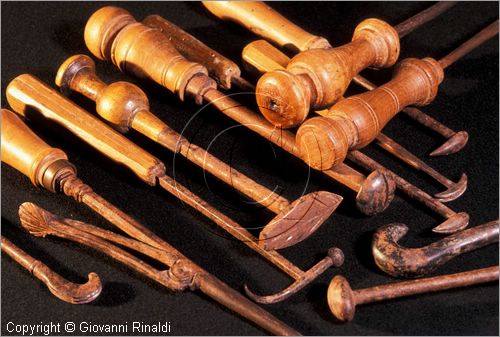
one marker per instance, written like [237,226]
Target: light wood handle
[25,151]
[260,56]
[355,121]
[113,34]
[267,23]
[317,78]
[27,94]
[219,67]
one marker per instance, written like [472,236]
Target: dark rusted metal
[342,300]
[400,261]
[454,221]
[336,257]
[454,190]
[409,25]
[484,35]
[60,287]
[182,273]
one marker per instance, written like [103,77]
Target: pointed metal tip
[454,192]
[453,145]
[453,224]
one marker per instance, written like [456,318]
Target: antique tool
[259,54]
[49,168]
[342,300]
[60,287]
[264,62]
[256,17]
[399,261]
[113,34]
[225,71]
[126,105]
[26,94]
[181,274]
[355,121]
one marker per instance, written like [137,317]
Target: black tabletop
[38,36]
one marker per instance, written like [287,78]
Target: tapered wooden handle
[355,121]
[267,23]
[25,151]
[27,94]
[113,34]
[260,56]
[218,66]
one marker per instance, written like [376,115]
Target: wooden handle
[218,66]
[113,34]
[357,120]
[267,23]
[318,78]
[27,94]
[260,56]
[26,152]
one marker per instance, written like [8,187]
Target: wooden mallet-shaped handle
[317,78]
[355,121]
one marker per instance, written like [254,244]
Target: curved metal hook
[63,289]
[334,258]
[400,261]
[454,191]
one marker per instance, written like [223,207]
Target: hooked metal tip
[299,220]
[76,293]
[453,145]
[454,191]
[453,224]
[377,192]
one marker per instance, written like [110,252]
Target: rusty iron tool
[400,261]
[263,61]
[342,300]
[256,16]
[113,34]
[125,106]
[63,289]
[26,94]
[181,274]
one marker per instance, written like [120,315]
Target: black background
[38,37]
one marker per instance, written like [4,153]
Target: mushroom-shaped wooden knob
[26,152]
[118,103]
[355,121]
[317,78]
[113,34]
[341,299]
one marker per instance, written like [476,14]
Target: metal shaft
[469,45]
[409,25]
[426,285]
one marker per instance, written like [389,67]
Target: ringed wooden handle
[264,21]
[27,94]
[355,121]
[111,33]
[26,152]
[317,78]
[219,67]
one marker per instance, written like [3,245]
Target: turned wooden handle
[27,94]
[266,22]
[317,78]
[260,57]
[25,151]
[355,121]
[218,66]
[113,34]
